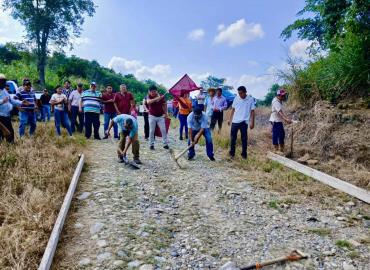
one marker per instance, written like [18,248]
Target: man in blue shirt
[128,128]
[6,106]
[198,126]
[27,112]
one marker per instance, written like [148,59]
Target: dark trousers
[235,127]
[278,133]
[217,117]
[209,145]
[183,118]
[74,114]
[92,119]
[7,122]
[146,124]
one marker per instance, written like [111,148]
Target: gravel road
[161,217]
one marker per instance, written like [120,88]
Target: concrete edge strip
[47,258]
[336,183]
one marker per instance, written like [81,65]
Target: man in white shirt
[74,100]
[276,119]
[242,114]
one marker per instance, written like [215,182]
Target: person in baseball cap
[198,125]
[277,118]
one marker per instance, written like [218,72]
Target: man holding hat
[90,104]
[6,106]
[276,119]
[198,125]
[128,136]
[74,100]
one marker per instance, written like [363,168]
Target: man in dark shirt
[45,106]
[123,101]
[157,107]
[27,114]
[109,110]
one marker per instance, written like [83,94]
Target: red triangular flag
[184,85]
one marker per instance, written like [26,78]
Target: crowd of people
[79,111]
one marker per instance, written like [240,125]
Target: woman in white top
[59,101]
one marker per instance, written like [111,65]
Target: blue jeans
[74,113]
[107,118]
[235,127]
[209,145]
[61,116]
[183,124]
[45,112]
[27,118]
[278,133]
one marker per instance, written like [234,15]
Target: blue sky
[162,39]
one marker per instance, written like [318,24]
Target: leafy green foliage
[341,28]
[49,22]
[269,96]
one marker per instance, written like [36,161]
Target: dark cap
[80,85]
[197,111]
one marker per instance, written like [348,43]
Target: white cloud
[238,33]
[299,49]
[221,27]
[158,72]
[196,34]
[80,41]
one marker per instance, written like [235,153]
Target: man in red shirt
[157,107]
[109,110]
[124,101]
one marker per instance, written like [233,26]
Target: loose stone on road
[201,217]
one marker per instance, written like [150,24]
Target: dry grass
[270,175]
[34,177]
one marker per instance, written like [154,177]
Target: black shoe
[166,147]
[116,137]
[120,160]
[137,161]
[244,157]
[212,159]
[190,158]
[97,138]
[181,138]
[152,147]
[105,137]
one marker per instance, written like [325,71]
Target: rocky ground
[201,217]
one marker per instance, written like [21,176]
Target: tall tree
[50,22]
[212,81]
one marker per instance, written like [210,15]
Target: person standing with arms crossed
[219,105]
[90,104]
[123,101]
[242,114]
[73,108]
[60,101]
[185,107]
[157,107]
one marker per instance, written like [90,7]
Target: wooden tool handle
[183,152]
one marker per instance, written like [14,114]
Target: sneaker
[166,147]
[137,161]
[181,138]
[212,159]
[244,157]
[190,158]
[97,138]
[116,137]
[152,147]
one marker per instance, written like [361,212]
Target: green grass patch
[343,244]
[320,231]
[353,254]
